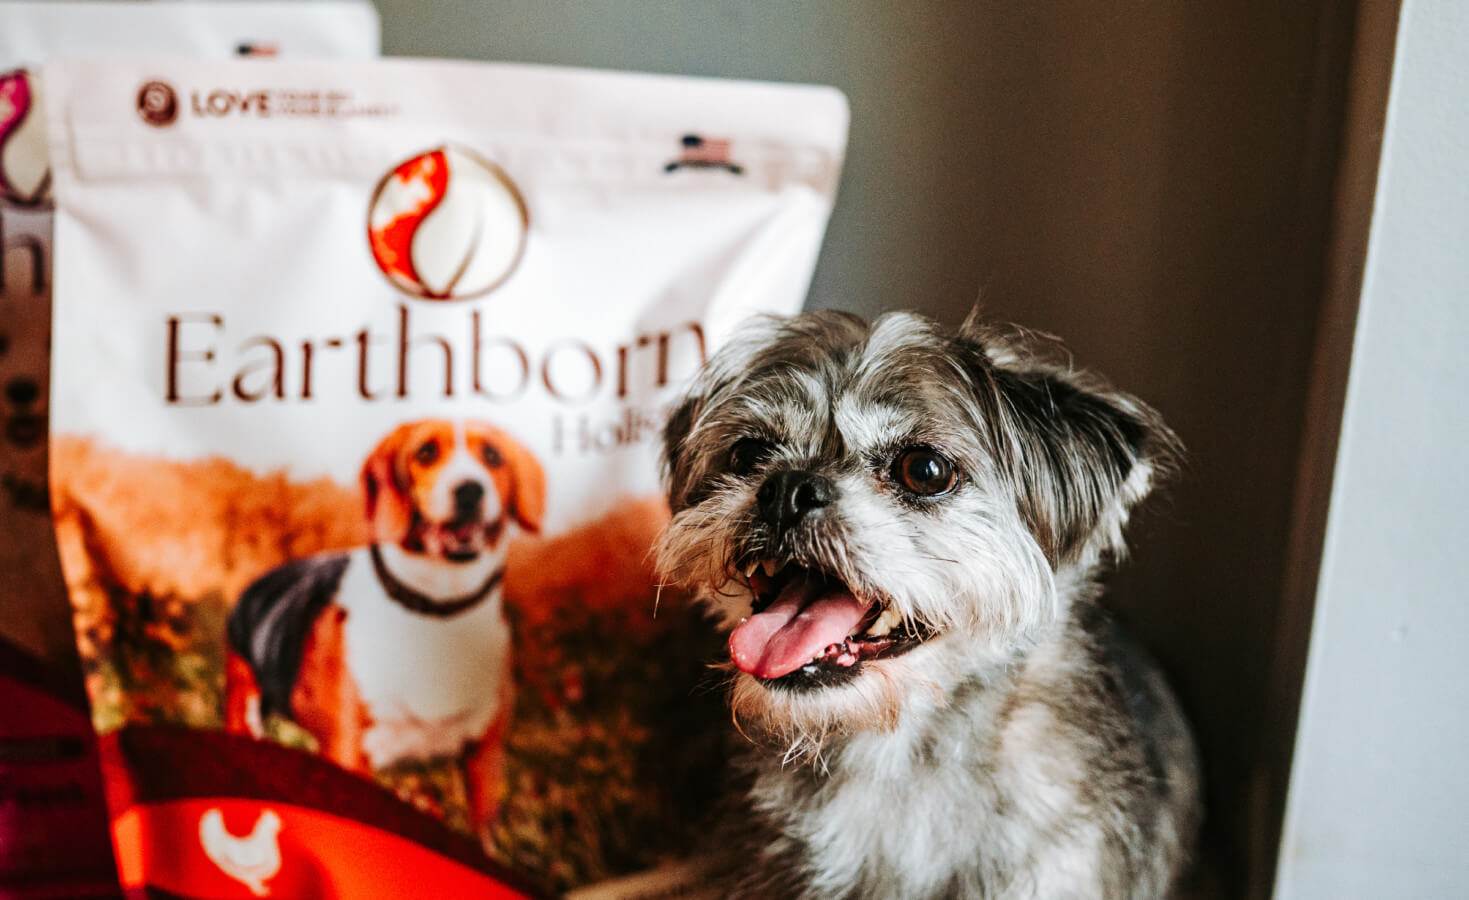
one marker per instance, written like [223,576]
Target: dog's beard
[946,596]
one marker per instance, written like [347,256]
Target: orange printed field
[612,746]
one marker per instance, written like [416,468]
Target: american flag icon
[250,49]
[698,152]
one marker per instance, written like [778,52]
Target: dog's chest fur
[431,685]
[918,814]
[1001,793]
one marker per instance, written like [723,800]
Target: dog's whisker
[707,687]
[734,716]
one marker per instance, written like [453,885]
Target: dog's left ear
[1080,455]
[528,503]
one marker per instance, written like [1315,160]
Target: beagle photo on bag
[399,651]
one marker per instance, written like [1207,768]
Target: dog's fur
[399,651]
[1023,747]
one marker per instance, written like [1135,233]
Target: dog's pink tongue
[792,631]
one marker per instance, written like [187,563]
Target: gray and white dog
[902,528]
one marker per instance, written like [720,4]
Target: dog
[399,651]
[33,608]
[902,528]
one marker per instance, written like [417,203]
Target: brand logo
[25,170]
[158,104]
[447,225]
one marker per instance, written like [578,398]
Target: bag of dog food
[359,375]
[53,825]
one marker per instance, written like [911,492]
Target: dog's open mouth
[26,430]
[463,539]
[807,627]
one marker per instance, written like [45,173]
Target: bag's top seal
[182,118]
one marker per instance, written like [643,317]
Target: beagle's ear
[385,487]
[528,497]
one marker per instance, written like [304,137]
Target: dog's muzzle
[808,626]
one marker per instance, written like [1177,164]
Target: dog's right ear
[676,476]
[385,488]
[718,373]
[757,343]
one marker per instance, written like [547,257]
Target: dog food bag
[53,826]
[359,375]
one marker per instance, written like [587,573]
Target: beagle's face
[447,488]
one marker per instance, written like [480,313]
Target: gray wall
[1380,791]
[1150,181]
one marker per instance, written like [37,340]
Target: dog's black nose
[786,497]
[22,391]
[468,495]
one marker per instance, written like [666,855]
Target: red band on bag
[231,849]
[53,821]
[202,814]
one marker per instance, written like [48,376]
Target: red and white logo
[447,225]
[25,170]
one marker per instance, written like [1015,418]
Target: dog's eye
[491,456]
[427,453]
[925,471]
[746,454]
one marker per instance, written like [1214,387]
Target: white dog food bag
[359,375]
[53,826]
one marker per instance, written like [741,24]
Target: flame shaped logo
[25,169]
[447,225]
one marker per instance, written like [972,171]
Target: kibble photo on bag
[359,375]
[53,826]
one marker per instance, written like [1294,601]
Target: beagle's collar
[421,603]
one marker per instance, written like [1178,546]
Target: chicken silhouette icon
[252,859]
